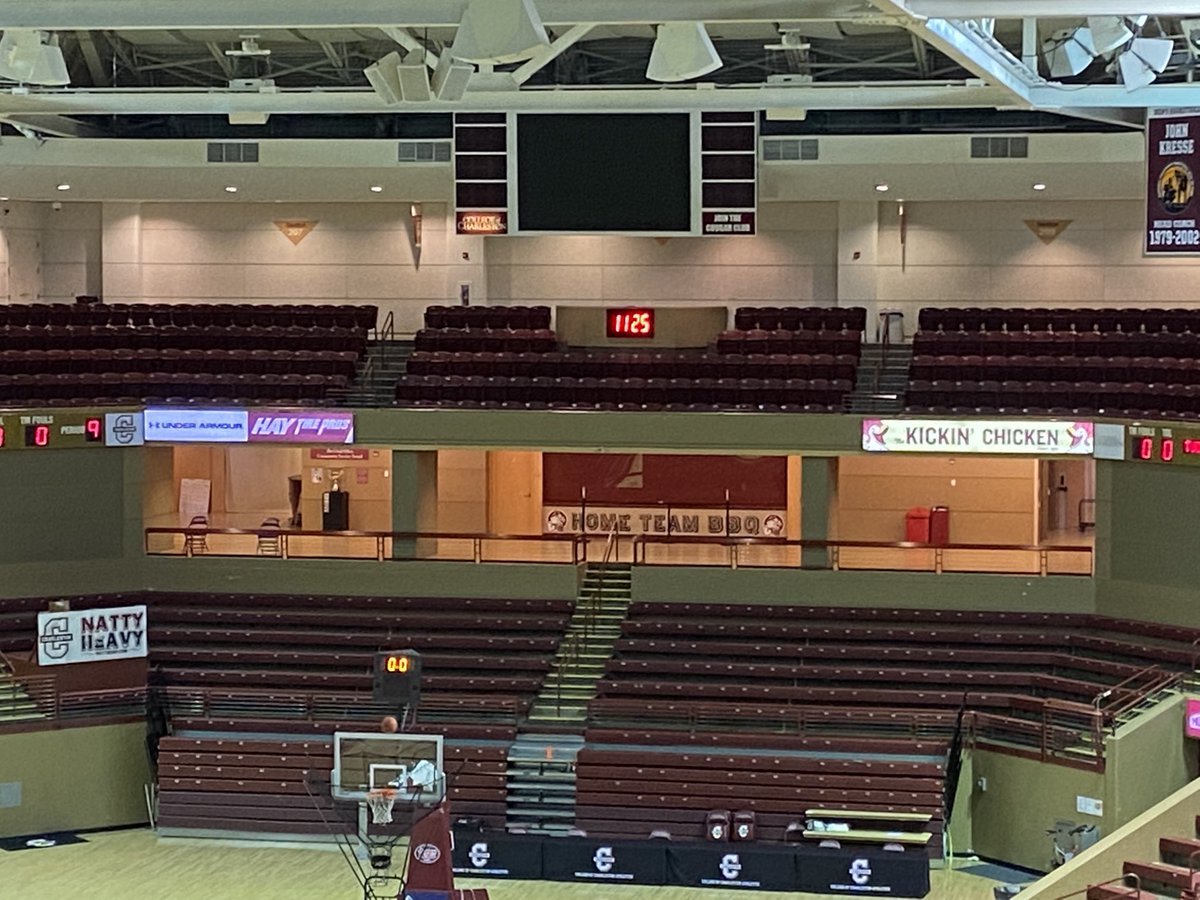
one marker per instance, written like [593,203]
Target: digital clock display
[629,323]
[1164,448]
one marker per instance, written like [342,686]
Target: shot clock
[397,677]
[630,322]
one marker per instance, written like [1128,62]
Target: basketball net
[381,802]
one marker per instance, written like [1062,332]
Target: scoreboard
[1169,444]
[66,429]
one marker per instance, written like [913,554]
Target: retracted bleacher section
[98,353]
[214,783]
[1118,362]
[786,359]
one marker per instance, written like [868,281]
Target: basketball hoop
[381,801]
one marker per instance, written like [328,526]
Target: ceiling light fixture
[1038,186]
[230,189]
[64,187]
[882,188]
[682,51]
[377,189]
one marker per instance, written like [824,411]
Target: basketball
[389,725]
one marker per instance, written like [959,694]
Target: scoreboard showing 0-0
[397,677]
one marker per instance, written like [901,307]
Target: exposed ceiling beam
[1057,9]
[971,49]
[544,55]
[91,57]
[71,15]
[55,126]
[336,101]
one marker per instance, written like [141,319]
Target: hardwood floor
[136,865]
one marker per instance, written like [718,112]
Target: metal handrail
[577,643]
[1135,891]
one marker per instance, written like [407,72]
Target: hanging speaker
[384,77]
[682,51]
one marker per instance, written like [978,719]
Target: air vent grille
[999,147]
[790,149]
[233,152]
[423,151]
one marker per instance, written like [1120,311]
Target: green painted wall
[1025,797]
[64,504]
[1146,547]
[1151,759]
[75,778]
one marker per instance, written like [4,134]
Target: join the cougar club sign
[1006,436]
[1172,165]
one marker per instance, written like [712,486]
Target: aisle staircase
[541,762]
[880,385]
[1174,875]
[381,368]
[15,703]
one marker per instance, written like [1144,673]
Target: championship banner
[1031,438]
[94,635]
[1172,163]
[661,520]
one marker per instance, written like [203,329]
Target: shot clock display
[631,322]
[1179,446]
[397,677]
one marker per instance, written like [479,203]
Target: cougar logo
[480,855]
[427,853]
[860,871]
[604,859]
[731,866]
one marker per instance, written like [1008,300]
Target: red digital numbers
[41,435]
[1191,446]
[1146,448]
[638,323]
[93,430]
[1167,450]
[1,435]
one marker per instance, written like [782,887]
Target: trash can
[939,526]
[717,825]
[916,525]
[335,511]
[743,825]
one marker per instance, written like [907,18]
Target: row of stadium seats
[1145,369]
[277,362]
[488,317]
[655,392]
[783,341]
[1064,319]
[797,318]
[118,388]
[140,315]
[202,337]
[588,364]
[1053,343]
[1112,398]
[524,340]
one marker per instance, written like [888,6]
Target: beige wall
[991,500]
[514,492]
[160,491]
[368,481]
[983,254]
[462,480]
[233,252]
[792,260]
[1152,759]
[75,778]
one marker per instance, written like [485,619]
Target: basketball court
[137,865]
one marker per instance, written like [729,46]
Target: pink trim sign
[1191,722]
[301,426]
